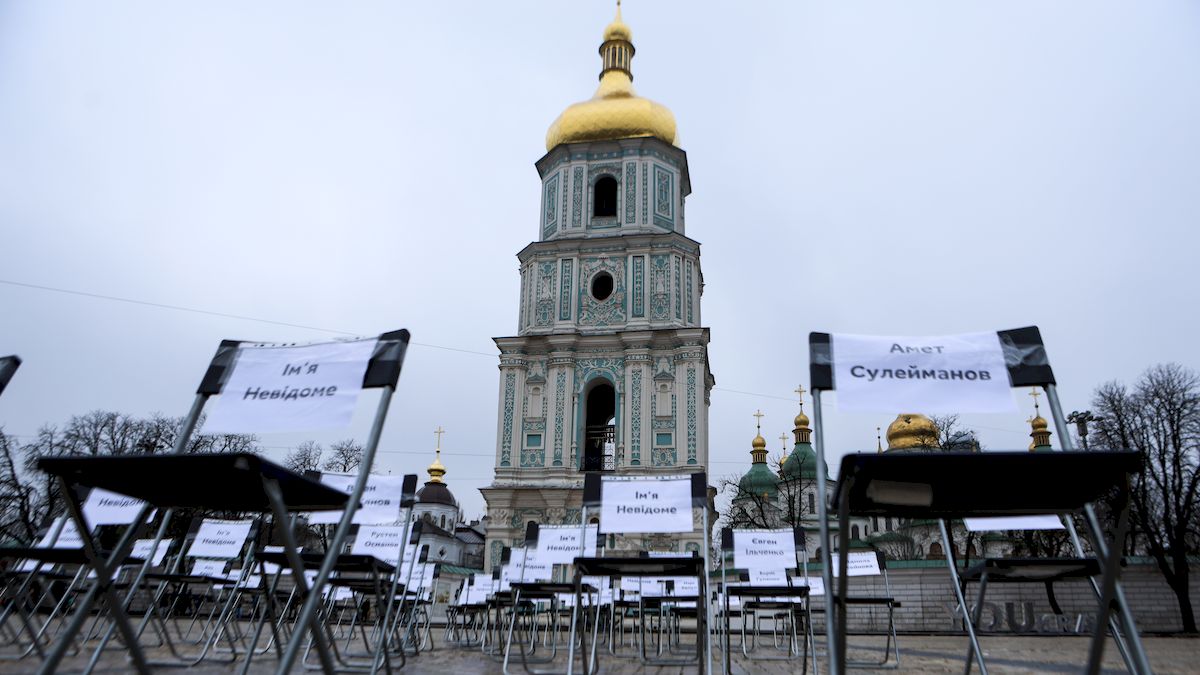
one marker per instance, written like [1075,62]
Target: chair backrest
[381,502]
[860,563]
[645,504]
[1046,522]
[220,539]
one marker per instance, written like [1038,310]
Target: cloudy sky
[912,168]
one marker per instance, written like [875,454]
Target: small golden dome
[801,421]
[615,111]
[437,469]
[1039,423]
[912,431]
[759,443]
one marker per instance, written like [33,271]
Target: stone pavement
[919,654]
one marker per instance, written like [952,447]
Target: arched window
[854,532]
[604,198]
[935,551]
[443,521]
[874,523]
[812,503]
[888,521]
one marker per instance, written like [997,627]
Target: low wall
[923,588]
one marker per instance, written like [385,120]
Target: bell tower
[608,370]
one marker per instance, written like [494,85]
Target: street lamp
[1081,419]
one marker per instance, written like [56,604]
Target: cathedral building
[608,370]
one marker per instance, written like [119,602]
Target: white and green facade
[608,369]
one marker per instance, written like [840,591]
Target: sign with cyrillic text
[764,549]
[1048,522]
[144,549]
[560,545]
[380,500]
[816,585]
[381,541]
[947,374]
[109,508]
[858,564]
[209,568]
[645,505]
[291,388]
[220,539]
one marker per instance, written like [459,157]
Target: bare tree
[344,456]
[306,457]
[1160,418]
[954,436]
[746,509]
[29,496]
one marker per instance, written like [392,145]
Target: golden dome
[437,469]
[912,431]
[801,421]
[615,110]
[1039,423]
[759,443]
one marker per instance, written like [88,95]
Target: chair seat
[640,567]
[977,484]
[768,591]
[57,556]
[189,480]
[346,563]
[1000,570]
[539,590]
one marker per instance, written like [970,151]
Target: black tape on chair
[384,367]
[415,535]
[496,573]
[700,490]
[820,362]
[800,537]
[408,490]
[591,489]
[726,538]
[424,557]
[8,366]
[599,541]
[505,555]
[1025,357]
[531,534]
[219,368]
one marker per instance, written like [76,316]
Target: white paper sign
[764,549]
[209,568]
[816,585]
[560,545]
[220,539]
[946,374]
[291,388]
[858,564]
[1013,523]
[109,508]
[68,536]
[381,541]
[765,577]
[380,499]
[144,548]
[645,505]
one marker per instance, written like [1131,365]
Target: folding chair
[773,554]
[535,596]
[640,505]
[1046,571]
[249,484]
[950,485]
[870,564]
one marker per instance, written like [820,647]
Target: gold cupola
[800,425]
[437,469]
[913,431]
[758,447]
[615,111]
[1040,428]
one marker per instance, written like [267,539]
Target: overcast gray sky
[885,167]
